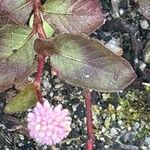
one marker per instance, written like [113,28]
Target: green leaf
[17,59]
[87,63]
[12,38]
[70,16]
[22,101]
[47,28]
[15,11]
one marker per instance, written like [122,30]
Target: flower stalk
[88,104]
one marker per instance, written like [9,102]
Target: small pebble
[113,45]
[144,24]
[113,117]
[142,65]
[143,147]
[129,147]
[136,126]
[74,108]
[147,141]
[106,146]
[44,93]
[136,61]
[57,80]
[129,128]
[121,11]
[118,108]
[103,129]
[20,144]
[113,132]
[119,122]
[21,137]
[128,136]
[57,86]
[102,139]
[46,85]
[51,94]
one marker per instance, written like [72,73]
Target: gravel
[119,119]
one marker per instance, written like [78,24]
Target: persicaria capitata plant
[59,29]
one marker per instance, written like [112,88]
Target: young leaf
[49,31]
[22,101]
[15,11]
[17,59]
[71,16]
[87,63]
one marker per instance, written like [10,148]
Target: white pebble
[46,85]
[113,132]
[136,61]
[121,11]
[136,126]
[103,129]
[113,45]
[142,65]
[144,24]
[21,137]
[147,141]
[102,139]
[51,94]
[118,108]
[57,86]
[106,146]
[143,147]
[44,93]
[119,122]
[129,128]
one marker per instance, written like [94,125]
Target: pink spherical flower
[47,124]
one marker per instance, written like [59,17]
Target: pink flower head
[47,124]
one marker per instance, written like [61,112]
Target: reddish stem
[88,103]
[38,28]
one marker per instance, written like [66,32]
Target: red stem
[88,103]
[38,28]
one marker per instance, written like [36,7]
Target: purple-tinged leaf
[15,11]
[73,16]
[17,60]
[87,63]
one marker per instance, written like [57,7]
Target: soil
[110,132]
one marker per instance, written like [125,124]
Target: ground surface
[121,120]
